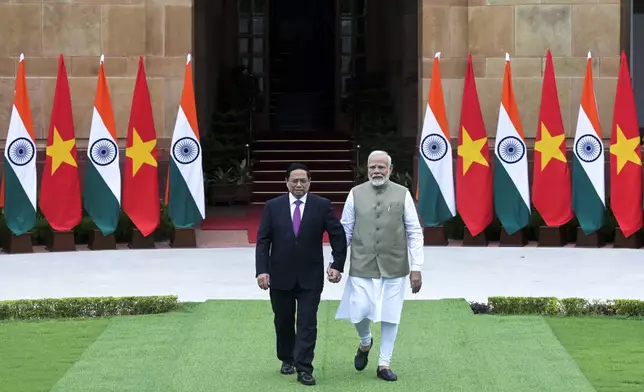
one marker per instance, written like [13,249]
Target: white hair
[379,152]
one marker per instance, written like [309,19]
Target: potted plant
[244,182]
[403,178]
[221,186]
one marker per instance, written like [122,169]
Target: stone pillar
[525,29]
[159,30]
[169,38]
[444,28]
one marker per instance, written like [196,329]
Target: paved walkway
[228,273]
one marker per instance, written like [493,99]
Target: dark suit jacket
[288,258]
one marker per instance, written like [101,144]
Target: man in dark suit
[289,261]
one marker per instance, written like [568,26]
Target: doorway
[302,63]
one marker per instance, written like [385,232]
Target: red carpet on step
[248,221]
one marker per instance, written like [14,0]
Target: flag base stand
[138,241]
[183,238]
[61,241]
[592,240]
[632,242]
[478,240]
[435,236]
[552,236]
[18,243]
[98,241]
[517,239]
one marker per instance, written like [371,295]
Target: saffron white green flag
[185,191]
[435,188]
[102,194]
[588,192]
[20,178]
[511,187]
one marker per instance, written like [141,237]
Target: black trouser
[299,348]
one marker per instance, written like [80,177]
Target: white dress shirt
[292,200]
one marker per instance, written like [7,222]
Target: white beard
[377,182]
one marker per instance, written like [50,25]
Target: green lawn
[34,355]
[229,345]
[609,351]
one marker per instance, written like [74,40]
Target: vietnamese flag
[551,188]
[140,198]
[473,173]
[60,195]
[625,157]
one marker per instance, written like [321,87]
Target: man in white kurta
[386,238]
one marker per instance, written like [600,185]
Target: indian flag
[511,188]
[588,192]
[102,196]
[435,188]
[19,180]
[185,190]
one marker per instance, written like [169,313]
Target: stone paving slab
[228,273]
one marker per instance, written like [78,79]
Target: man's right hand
[263,281]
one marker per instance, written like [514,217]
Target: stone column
[444,28]
[159,30]
[169,37]
[569,28]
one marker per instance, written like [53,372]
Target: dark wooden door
[302,64]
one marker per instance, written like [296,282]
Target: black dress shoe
[305,378]
[287,368]
[362,358]
[386,374]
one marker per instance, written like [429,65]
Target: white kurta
[380,299]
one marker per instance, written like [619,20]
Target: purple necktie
[297,217]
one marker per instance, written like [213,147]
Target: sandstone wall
[525,29]
[82,30]
[161,30]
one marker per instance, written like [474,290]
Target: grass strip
[134,353]
[34,355]
[609,350]
[230,345]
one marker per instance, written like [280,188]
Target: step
[297,155]
[316,186]
[316,175]
[296,134]
[332,202]
[318,164]
[263,145]
[261,197]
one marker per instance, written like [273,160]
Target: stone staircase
[330,158]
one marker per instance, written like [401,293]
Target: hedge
[42,231]
[552,306]
[455,227]
[82,307]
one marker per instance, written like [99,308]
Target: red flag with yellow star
[140,198]
[60,196]
[625,157]
[473,172]
[551,186]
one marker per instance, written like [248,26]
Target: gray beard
[378,182]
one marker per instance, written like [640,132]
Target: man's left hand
[416,281]
[334,275]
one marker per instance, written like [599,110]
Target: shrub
[41,232]
[629,307]
[552,306]
[525,305]
[480,308]
[26,309]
